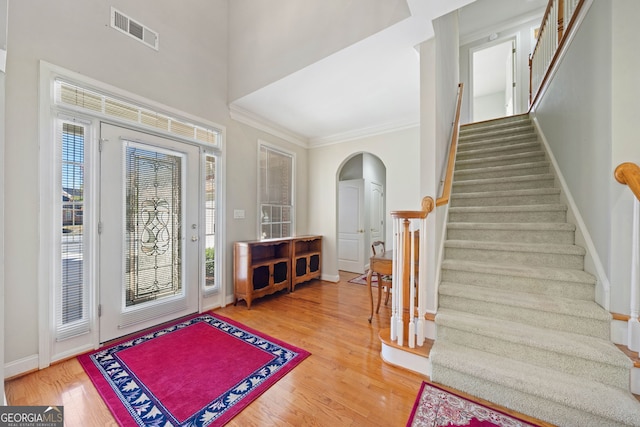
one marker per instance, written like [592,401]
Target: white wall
[488,106]
[397,150]
[271,39]
[589,119]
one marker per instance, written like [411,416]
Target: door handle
[194,238]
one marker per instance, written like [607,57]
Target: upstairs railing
[408,284]
[556,24]
[629,174]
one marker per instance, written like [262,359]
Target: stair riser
[475,187]
[512,236]
[528,157]
[511,149]
[533,405]
[509,217]
[489,141]
[557,288]
[514,257]
[542,199]
[559,322]
[605,373]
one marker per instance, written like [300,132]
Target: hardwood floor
[343,383]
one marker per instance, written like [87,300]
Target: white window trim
[262,143]
[50,351]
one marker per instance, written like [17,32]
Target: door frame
[514,39]
[48,349]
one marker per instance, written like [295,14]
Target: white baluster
[398,289]
[422,280]
[393,333]
[412,292]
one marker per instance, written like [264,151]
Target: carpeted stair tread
[531,196]
[506,209]
[575,345]
[579,309]
[509,183]
[478,142]
[500,159]
[517,247]
[523,128]
[530,226]
[508,382]
[505,170]
[494,151]
[542,273]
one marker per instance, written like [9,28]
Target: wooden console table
[262,267]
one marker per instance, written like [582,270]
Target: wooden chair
[377,247]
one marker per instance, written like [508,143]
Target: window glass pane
[72,295]
[210,216]
[276,192]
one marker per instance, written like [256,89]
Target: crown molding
[363,133]
[251,119]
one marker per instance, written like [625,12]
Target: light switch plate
[238,214]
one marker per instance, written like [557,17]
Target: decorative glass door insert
[153,249]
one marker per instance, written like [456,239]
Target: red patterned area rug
[362,280]
[437,407]
[199,371]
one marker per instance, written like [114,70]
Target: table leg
[379,292]
[369,274]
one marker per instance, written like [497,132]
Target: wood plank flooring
[343,383]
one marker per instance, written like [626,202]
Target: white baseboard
[21,366]
[330,278]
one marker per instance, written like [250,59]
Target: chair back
[377,247]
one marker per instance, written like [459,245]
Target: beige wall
[397,150]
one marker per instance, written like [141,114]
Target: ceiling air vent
[123,23]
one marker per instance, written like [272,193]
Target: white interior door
[351,225]
[148,262]
[376,214]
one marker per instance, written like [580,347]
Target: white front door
[351,225]
[149,259]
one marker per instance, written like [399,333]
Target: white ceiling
[370,86]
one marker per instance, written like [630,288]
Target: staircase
[517,323]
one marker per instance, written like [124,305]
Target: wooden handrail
[446,189]
[629,174]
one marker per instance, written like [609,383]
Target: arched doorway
[361,182]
